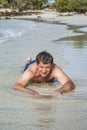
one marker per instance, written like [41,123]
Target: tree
[71,5]
[4,2]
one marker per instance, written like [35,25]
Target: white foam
[7,34]
[14,28]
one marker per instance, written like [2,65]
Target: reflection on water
[80,44]
[75,52]
[76,29]
[79,40]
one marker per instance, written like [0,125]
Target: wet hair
[44,57]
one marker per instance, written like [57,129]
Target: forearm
[68,86]
[20,87]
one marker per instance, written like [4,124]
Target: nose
[44,69]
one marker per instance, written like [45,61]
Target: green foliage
[4,2]
[36,4]
[60,5]
[22,4]
[71,5]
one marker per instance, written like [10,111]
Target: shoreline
[51,16]
[22,111]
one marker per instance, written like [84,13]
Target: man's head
[44,57]
[44,63]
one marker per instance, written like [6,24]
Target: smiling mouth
[44,74]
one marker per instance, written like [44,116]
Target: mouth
[43,74]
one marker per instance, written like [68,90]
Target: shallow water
[22,111]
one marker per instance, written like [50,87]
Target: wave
[14,28]
[6,35]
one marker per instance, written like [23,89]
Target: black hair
[45,57]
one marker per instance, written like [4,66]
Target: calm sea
[20,39]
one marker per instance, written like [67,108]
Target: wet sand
[51,16]
[22,111]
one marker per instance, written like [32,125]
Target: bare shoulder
[32,68]
[60,74]
[56,68]
[27,75]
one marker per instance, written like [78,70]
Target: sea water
[21,111]
[14,28]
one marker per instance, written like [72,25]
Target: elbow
[16,86]
[72,86]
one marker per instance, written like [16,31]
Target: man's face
[44,69]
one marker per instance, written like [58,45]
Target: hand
[36,93]
[58,91]
[33,92]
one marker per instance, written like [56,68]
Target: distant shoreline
[51,16]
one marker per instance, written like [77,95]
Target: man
[43,70]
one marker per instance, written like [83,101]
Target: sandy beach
[66,38]
[51,16]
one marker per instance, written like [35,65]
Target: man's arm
[23,81]
[67,84]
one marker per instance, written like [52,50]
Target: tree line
[59,5]
[22,4]
[71,5]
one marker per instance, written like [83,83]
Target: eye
[48,67]
[41,66]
